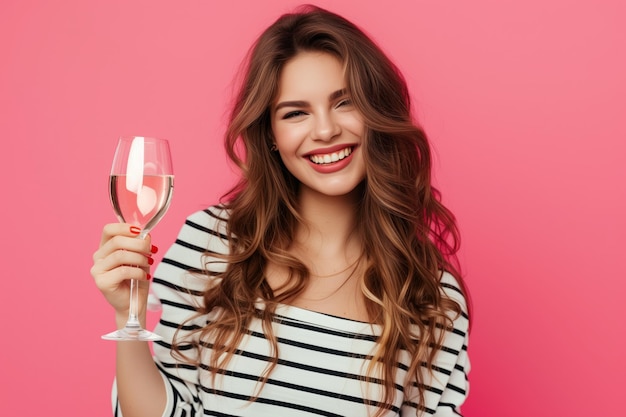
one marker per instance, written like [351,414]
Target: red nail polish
[148,277]
[135,230]
[150,261]
[154,249]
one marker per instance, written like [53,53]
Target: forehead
[309,75]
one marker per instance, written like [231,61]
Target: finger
[118,229]
[124,242]
[124,257]
[111,280]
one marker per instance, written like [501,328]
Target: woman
[325,283]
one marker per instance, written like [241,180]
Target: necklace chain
[353,264]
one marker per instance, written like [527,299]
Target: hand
[121,257]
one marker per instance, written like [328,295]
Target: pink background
[525,103]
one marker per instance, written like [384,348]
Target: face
[317,130]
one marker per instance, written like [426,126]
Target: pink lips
[333,166]
[332,149]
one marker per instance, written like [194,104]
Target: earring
[273,148]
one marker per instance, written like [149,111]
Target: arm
[448,385]
[121,256]
[456,388]
[179,282]
[140,387]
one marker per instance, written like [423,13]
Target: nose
[325,127]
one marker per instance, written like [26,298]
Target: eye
[344,102]
[292,114]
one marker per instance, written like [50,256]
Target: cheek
[287,136]
[355,125]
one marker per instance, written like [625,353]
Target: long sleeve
[448,387]
[179,283]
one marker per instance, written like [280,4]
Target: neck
[329,222]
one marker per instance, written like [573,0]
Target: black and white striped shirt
[322,359]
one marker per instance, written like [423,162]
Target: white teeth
[330,158]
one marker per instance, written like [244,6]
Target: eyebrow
[299,103]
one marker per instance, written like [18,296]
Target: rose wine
[141,203]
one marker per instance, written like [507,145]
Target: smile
[330,157]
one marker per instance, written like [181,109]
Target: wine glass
[141,185]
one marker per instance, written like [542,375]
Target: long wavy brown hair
[409,237]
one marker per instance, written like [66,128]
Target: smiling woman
[317,130]
[326,281]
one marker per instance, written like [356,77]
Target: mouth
[331,158]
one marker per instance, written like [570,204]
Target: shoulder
[206,230]
[454,290]
[212,219]
[197,253]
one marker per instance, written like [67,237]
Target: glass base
[131,334]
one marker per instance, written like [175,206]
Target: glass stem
[133,311]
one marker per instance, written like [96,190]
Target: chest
[319,372]
[337,295]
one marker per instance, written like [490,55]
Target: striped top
[322,359]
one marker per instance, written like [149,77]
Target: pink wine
[142,204]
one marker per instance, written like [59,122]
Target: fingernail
[148,276]
[150,261]
[154,249]
[135,230]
